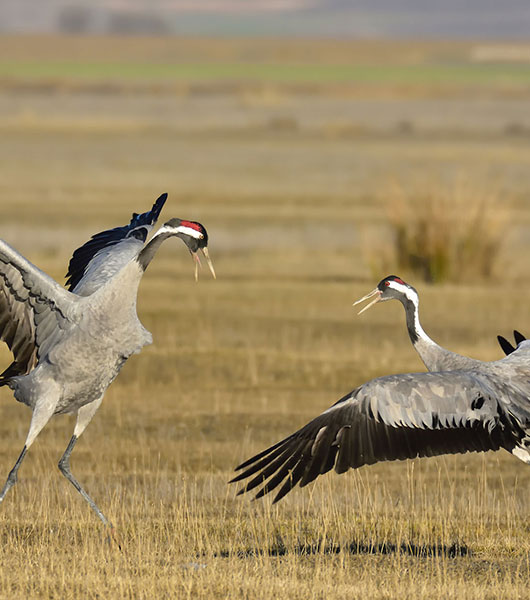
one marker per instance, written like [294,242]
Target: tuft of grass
[449,232]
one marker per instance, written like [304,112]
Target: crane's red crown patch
[192,225]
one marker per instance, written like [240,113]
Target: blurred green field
[469,74]
[391,66]
[295,191]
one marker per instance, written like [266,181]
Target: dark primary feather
[518,336]
[506,346]
[138,227]
[389,418]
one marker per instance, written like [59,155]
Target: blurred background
[393,135]
[324,145]
[333,18]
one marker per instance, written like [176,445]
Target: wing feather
[518,337]
[282,472]
[506,346]
[271,467]
[390,418]
[260,464]
[32,307]
[106,252]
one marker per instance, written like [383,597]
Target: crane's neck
[412,313]
[434,357]
[423,344]
[118,295]
[121,290]
[148,252]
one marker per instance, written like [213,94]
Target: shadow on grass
[455,550]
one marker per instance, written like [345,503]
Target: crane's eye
[387,283]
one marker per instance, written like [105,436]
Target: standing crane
[461,405]
[434,356]
[68,346]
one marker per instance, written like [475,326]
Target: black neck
[411,313]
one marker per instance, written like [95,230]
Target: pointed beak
[209,261]
[197,260]
[198,264]
[376,293]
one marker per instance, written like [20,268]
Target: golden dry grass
[239,362]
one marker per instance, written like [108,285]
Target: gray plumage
[465,406]
[68,346]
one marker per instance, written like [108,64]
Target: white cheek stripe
[404,290]
[190,231]
[181,229]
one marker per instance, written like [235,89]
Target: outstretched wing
[34,311]
[389,418]
[105,253]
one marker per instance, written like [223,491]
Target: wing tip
[518,336]
[83,255]
[159,203]
[237,478]
[151,216]
[505,345]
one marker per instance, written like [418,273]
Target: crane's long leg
[84,416]
[64,465]
[41,415]
[12,477]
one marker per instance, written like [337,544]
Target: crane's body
[68,346]
[461,405]
[103,331]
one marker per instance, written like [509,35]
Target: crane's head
[390,288]
[195,237]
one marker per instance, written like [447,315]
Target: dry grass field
[294,181]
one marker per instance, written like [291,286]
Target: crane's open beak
[376,293]
[197,260]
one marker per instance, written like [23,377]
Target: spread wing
[389,418]
[34,311]
[105,253]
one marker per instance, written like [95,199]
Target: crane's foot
[10,482]
[12,477]
[113,537]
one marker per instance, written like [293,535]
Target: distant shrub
[447,233]
[405,127]
[516,129]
